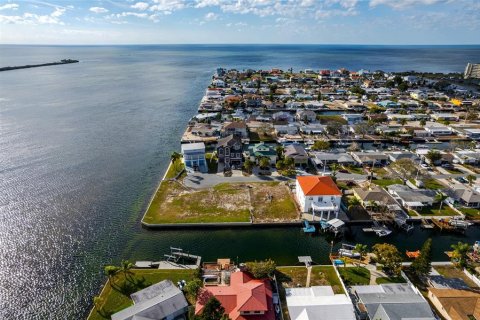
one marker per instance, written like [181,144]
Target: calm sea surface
[83,146]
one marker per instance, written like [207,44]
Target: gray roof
[193,146]
[417,195]
[440,282]
[466,194]
[393,302]
[155,302]
[295,150]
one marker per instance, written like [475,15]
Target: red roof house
[319,193]
[245,298]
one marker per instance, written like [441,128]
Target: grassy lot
[175,203]
[433,184]
[272,202]
[390,280]
[471,213]
[452,272]
[355,275]
[174,169]
[292,277]
[212,163]
[412,213]
[257,136]
[226,202]
[324,119]
[380,172]
[353,169]
[387,182]
[435,211]
[116,297]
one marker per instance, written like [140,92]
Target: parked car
[447,166]
[461,179]
[424,165]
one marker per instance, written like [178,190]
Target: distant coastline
[63,61]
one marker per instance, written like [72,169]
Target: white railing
[472,277]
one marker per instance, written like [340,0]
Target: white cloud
[210,16]
[34,19]
[98,10]
[207,3]
[168,5]
[402,4]
[9,6]
[142,6]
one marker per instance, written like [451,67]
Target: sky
[394,22]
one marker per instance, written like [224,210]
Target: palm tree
[361,248]
[264,162]
[174,157]
[335,167]
[280,149]
[125,267]
[459,253]
[440,197]
[110,272]
[353,203]
[470,179]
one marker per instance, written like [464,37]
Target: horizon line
[235,44]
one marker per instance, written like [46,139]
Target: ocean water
[83,146]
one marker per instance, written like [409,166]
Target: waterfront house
[455,304]
[370,158]
[439,130]
[398,155]
[467,156]
[243,299]
[229,151]
[306,115]
[445,116]
[236,128]
[318,303]
[412,199]
[391,302]
[463,195]
[374,195]
[319,194]
[162,300]
[290,129]
[312,129]
[262,150]
[353,118]
[322,158]
[194,157]
[297,153]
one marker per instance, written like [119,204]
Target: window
[220,151]
[238,155]
[227,151]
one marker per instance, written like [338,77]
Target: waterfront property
[456,304]
[243,298]
[391,301]
[194,157]
[162,300]
[318,194]
[230,151]
[318,303]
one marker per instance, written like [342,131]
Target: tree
[353,203]
[280,149]
[423,122]
[403,121]
[248,165]
[125,268]
[403,86]
[192,288]
[353,147]
[405,168]
[212,310]
[264,162]
[319,96]
[389,257]
[261,269]
[470,179]
[459,254]
[422,265]
[174,157]
[333,127]
[440,197]
[433,156]
[110,272]
[280,165]
[362,249]
[362,128]
[321,145]
[334,167]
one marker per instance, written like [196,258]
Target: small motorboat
[413,254]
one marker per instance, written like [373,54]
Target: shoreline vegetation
[63,61]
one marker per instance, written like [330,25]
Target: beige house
[456,304]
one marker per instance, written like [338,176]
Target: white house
[318,303]
[194,157]
[319,194]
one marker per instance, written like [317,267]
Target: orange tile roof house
[318,193]
[455,304]
[244,299]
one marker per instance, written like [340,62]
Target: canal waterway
[83,146]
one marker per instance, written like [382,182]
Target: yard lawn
[412,213]
[174,169]
[387,182]
[175,203]
[381,172]
[471,213]
[433,184]
[272,202]
[382,280]
[452,272]
[435,211]
[324,119]
[353,169]
[292,277]
[116,298]
[355,275]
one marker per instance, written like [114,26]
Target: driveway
[206,180]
